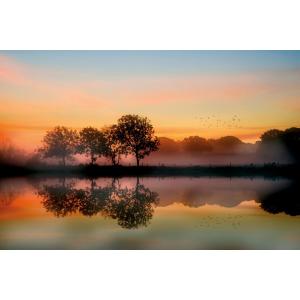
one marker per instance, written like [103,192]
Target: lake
[149,213]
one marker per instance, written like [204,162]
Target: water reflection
[8,192]
[286,200]
[131,207]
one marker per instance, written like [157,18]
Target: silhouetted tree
[291,140]
[271,146]
[137,135]
[113,147]
[227,144]
[167,145]
[91,143]
[282,142]
[9,154]
[196,144]
[59,142]
[271,135]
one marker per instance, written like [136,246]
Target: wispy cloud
[11,72]
[27,93]
[34,99]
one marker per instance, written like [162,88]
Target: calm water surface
[149,213]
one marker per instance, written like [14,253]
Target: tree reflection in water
[61,199]
[8,193]
[93,200]
[286,201]
[131,207]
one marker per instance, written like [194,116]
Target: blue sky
[132,63]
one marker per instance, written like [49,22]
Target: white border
[149,24]
[149,275]
[152,24]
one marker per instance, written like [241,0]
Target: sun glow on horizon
[206,93]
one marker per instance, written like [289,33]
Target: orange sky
[210,94]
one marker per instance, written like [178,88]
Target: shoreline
[94,171]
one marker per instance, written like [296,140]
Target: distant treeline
[198,145]
[272,140]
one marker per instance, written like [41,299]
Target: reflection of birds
[215,222]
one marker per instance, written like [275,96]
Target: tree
[167,145]
[9,154]
[284,143]
[137,136]
[113,147]
[196,144]
[59,142]
[271,135]
[291,140]
[229,142]
[91,143]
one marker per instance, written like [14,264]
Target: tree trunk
[92,159]
[93,184]
[137,161]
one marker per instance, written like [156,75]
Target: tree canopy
[91,143]
[113,147]
[196,144]
[289,139]
[137,135]
[60,142]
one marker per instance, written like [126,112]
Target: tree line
[132,135]
[199,145]
[274,141]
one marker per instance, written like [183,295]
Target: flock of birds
[214,122]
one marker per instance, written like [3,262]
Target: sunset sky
[205,93]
